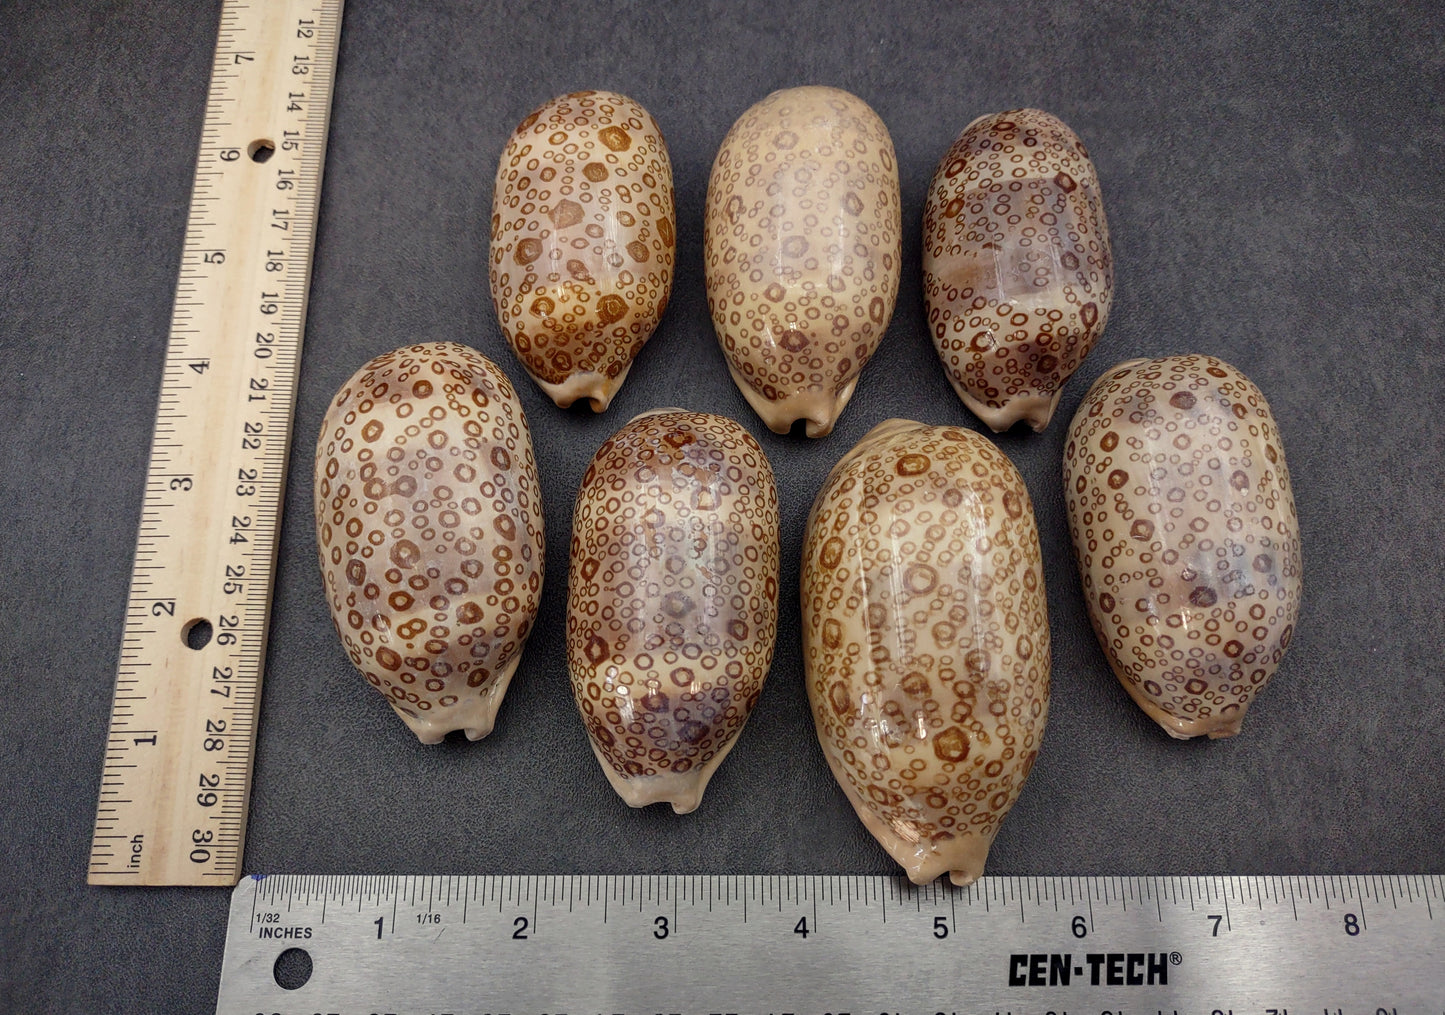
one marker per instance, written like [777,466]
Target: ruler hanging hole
[261,149]
[292,968]
[197,633]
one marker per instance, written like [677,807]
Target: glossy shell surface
[583,242]
[672,600]
[1017,272]
[926,641]
[429,527]
[801,250]
[1184,526]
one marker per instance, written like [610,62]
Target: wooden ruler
[693,945]
[177,774]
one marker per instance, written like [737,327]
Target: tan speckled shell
[801,248]
[672,600]
[1017,271]
[429,528]
[583,242]
[926,641]
[1184,526]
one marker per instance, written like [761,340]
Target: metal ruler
[673,945]
[177,774]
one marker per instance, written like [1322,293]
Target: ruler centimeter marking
[176,780]
[677,945]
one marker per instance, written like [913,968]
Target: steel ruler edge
[176,780]
[830,945]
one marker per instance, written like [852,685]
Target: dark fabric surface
[1273,180]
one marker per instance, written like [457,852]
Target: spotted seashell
[583,242]
[926,641]
[429,527]
[801,248]
[672,600]
[1017,272]
[1184,526]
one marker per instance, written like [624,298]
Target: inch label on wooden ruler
[687,945]
[177,775]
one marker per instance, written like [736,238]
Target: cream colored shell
[672,600]
[583,242]
[1184,526]
[429,528]
[926,641]
[801,245]
[1017,272]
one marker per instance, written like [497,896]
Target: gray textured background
[1273,179]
